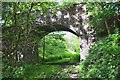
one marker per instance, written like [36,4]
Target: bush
[103,59]
[13,72]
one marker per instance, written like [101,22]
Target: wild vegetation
[27,54]
[104,57]
[103,60]
[55,48]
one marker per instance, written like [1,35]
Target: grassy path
[51,71]
[71,70]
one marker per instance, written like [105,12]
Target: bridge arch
[42,30]
[73,19]
[68,43]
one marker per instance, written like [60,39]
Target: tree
[52,44]
[104,16]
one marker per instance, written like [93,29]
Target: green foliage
[63,60]
[54,45]
[57,49]
[32,71]
[13,72]
[64,5]
[72,43]
[17,34]
[66,57]
[103,59]
[40,71]
[100,11]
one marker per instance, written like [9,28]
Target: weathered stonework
[75,20]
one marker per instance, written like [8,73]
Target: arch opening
[59,47]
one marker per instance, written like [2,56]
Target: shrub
[103,59]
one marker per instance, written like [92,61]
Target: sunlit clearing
[72,42]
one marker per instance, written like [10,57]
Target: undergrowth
[103,60]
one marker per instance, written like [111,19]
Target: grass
[51,71]
[62,58]
[41,71]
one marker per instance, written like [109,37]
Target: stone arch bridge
[74,19]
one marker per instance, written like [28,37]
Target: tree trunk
[106,25]
[44,49]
